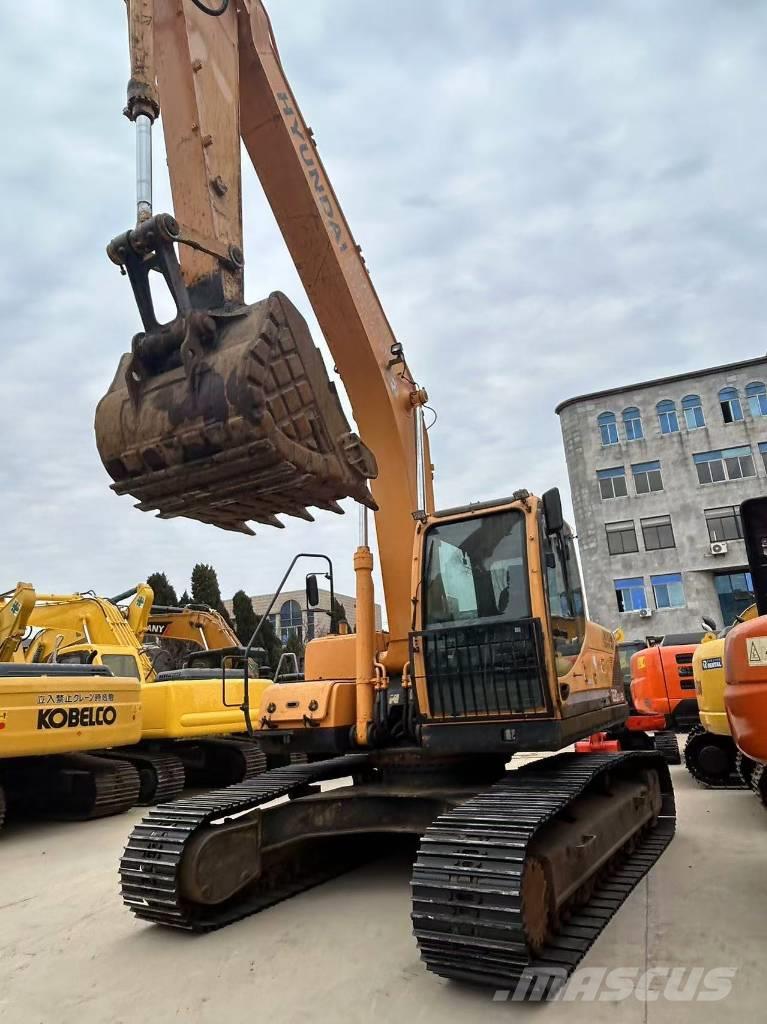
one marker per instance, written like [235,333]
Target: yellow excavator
[193,635]
[224,415]
[188,714]
[710,753]
[53,718]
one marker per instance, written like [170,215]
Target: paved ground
[70,953]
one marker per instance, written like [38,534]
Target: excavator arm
[14,619]
[204,627]
[225,414]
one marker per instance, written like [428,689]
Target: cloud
[551,197]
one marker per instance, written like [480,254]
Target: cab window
[565,598]
[475,569]
[121,665]
[75,658]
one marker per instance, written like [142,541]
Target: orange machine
[745,653]
[225,415]
[642,730]
[662,681]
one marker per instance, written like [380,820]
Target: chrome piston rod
[143,168]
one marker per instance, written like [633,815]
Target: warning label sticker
[757,650]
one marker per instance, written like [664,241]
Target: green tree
[271,643]
[295,645]
[245,624]
[337,614]
[184,600]
[205,589]
[164,592]
[245,620]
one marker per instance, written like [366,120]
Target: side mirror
[312,592]
[552,511]
[709,624]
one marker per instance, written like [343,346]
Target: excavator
[710,753]
[745,656]
[54,718]
[225,414]
[188,713]
[662,681]
[645,728]
[172,634]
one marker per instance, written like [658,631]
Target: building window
[667,417]
[630,594]
[756,393]
[729,401]
[668,590]
[291,620]
[632,424]
[621,538]
[729,464]
[612,482]
[735,591]
[647,477]
[763,452]
[693,412]
[657,533]
[724,523]
[608,428]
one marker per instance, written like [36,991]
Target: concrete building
[657,472]
[290,614]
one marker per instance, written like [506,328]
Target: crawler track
[83,786]
[666,743]
[744,766]
[467,908]
[150,865]
[161,776]
[697,739]
[220,761]
[759,783]
[468,912]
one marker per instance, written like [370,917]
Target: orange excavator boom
[225,414]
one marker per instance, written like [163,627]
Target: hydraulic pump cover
[226,417]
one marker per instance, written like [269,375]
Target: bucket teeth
[252,431]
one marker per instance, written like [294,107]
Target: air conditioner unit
[645,613]
[718,547]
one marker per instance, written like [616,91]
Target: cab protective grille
[484,670]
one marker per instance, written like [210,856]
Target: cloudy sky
[552,197]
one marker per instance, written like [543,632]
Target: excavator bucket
[229,416]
